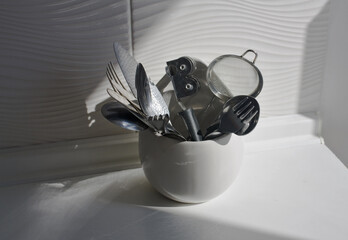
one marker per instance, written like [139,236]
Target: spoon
[153,104]
[149,97]
[123,117]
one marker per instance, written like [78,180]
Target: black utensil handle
[213,128]
[192,124]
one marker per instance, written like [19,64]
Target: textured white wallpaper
[289,36]
[53,59]
[54,54]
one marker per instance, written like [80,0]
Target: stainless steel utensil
[118,114]
[154,106]
[240,116]
[199,95]
[149,97]
[159,122]
[233,75]
[128,66]
[120,93]
[117,84]
[162,125]
[150,107]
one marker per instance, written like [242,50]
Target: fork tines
[159,122]
[247,110]
[111,73]
[244,108]
[120,89]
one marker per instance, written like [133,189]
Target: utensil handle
[213,128]
[192,124]
[250,50]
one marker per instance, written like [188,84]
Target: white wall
[334,109]
[290,37]
[52,68]
[54,53]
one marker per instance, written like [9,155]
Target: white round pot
[190,172]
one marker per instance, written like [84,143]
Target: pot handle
[250,50]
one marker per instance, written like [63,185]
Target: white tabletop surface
[300,192]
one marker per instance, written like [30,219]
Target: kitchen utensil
[116,113]
[120,93]
[171,132]
[240,116]
[122,100]
[154,106]
[149,97]
[191,124]
[139,114]
[232,75]
[174,108]
[186,85]
[163,126]
[159,122]
[117,84]
[248,111]
[128,66]
[181,71]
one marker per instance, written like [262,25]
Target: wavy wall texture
[53,58]
[289,36]
[54,53]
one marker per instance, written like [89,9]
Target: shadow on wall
[53,57]
[314,58]
[333,113]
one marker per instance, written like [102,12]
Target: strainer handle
[250,50]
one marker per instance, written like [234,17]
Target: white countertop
[299,192]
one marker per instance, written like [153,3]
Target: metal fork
[159,122]
[121,93]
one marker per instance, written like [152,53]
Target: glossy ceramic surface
[190,172]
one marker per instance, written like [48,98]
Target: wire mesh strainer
[233,75]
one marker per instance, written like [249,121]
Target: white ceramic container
[190,172]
